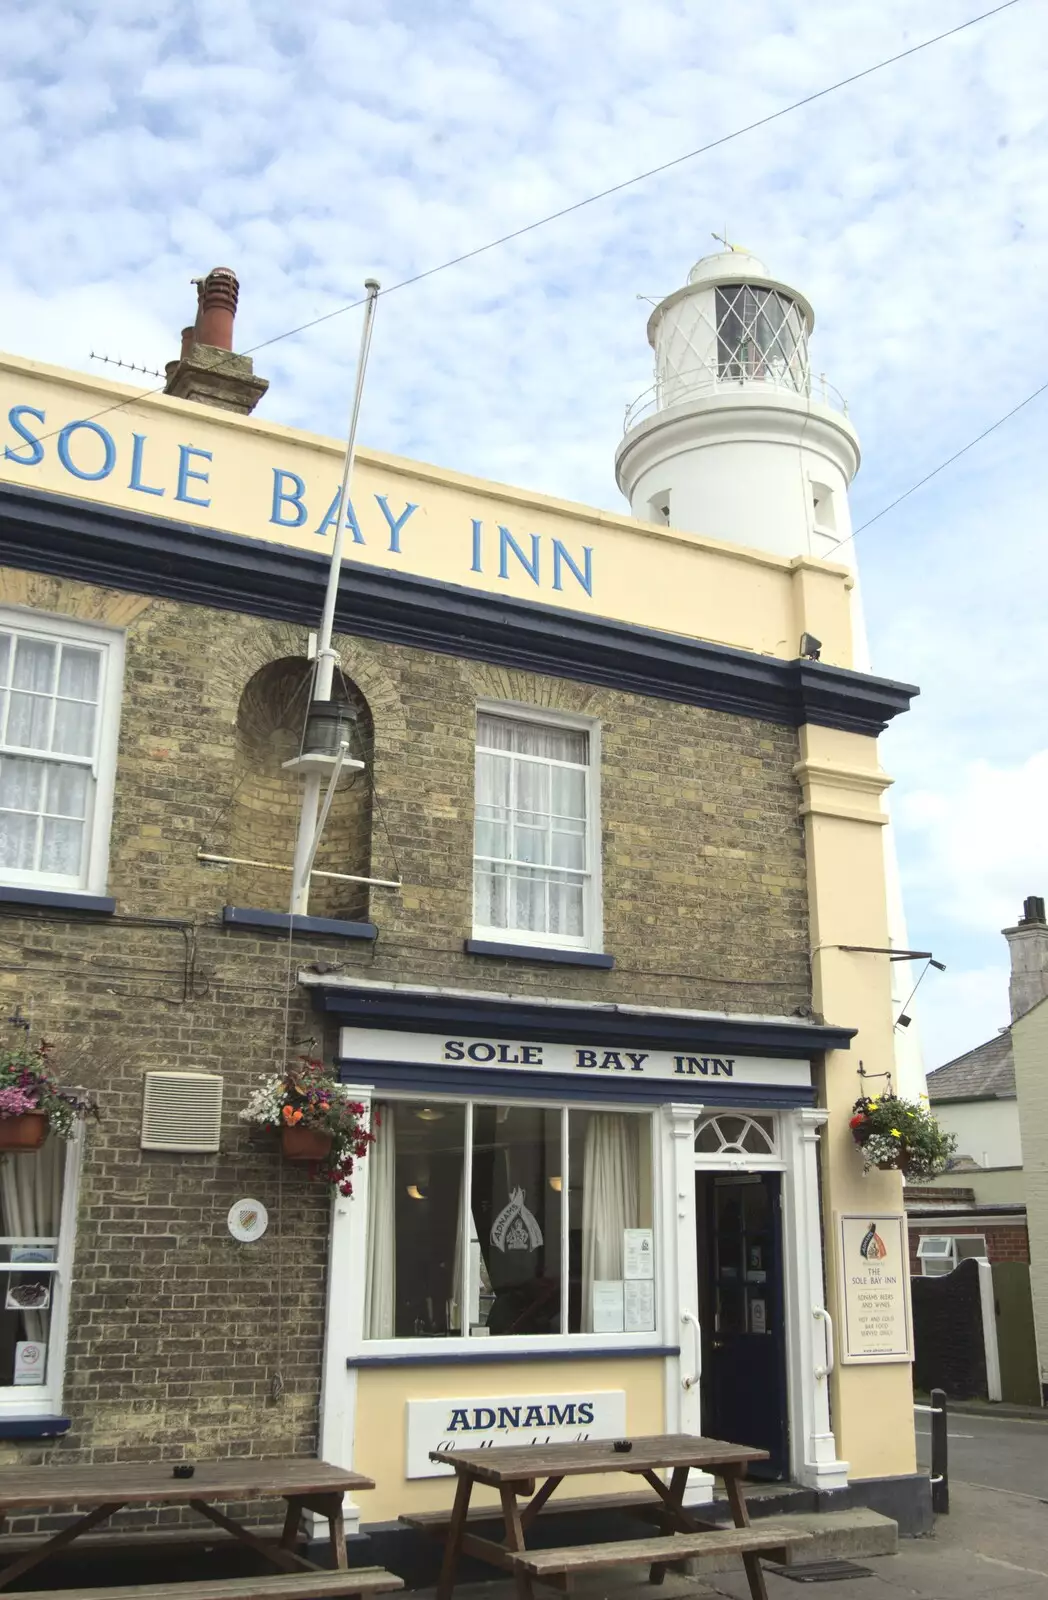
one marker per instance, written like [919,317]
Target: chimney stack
[207,370]
[1028,947]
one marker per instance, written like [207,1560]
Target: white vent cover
[182,1111]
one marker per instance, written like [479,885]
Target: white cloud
[980,846]
[309,146]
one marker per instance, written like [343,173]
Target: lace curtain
[530,827]
[49,699]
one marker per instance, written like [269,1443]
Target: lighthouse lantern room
[734,440]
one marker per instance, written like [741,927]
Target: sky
[309,147]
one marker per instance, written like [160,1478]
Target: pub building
[598,932]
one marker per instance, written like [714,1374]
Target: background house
[994,1098]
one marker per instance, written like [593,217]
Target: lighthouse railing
[702,379]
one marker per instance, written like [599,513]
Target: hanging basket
[305,1144]
[900,1164]
[26,1132]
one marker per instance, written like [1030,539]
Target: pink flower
[16,1102]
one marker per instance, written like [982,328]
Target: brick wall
[176,1330]
[1004,1242]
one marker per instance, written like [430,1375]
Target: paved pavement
[993,1452]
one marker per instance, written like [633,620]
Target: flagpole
[305,843]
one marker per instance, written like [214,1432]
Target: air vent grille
[182,1111]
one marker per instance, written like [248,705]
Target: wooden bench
[642,1503]
[271,1586]
[553,1565]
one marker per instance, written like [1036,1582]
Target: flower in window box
[317,1124]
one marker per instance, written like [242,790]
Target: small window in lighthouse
[659,507]
[822,506]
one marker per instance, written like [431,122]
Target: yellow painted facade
[249,474]
[384,1393]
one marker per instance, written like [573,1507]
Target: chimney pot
[1033,910]
[217,306]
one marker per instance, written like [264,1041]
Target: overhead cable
[899,498]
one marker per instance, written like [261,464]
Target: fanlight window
[761,334]
[736,1135]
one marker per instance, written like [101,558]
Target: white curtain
[380,1285]
[31,1207]
[532,818]
[54,691]
[610,1200]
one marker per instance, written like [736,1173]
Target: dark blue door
[743,1315]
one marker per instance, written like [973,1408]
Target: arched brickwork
[266,798]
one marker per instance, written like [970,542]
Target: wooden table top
[142,1482]
[514,1463]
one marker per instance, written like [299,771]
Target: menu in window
[639,1305]
[638,1253]
[607,1305]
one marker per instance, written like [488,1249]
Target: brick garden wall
[177,1331]
[1008,1242]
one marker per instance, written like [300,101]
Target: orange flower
[291,1116]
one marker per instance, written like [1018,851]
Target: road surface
[992,1452]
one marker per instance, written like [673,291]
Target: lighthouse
[738,439]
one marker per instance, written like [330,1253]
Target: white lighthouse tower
[736,440]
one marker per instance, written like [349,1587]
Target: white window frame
[55,629]
[592,940]
[462,1345]
[950,1254]
[26,1402]
[729,1158]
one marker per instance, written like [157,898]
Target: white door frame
[809,1341]
[347,1264]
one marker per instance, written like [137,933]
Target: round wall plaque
[248,1220]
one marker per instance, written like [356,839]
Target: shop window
[536,840]
[59,712]
[737,1135]
[37,1190]
[940,1253]
[502,1221]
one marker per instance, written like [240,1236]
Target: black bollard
[940,1468]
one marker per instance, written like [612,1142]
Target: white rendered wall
[748,491]
[987,1130]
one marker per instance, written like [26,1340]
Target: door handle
[821,1314]
[688,1319]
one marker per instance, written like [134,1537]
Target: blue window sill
[280,921]
[532,952]
[58,900]
[33,1427]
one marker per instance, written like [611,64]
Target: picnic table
[516,1470]
[100,1491]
